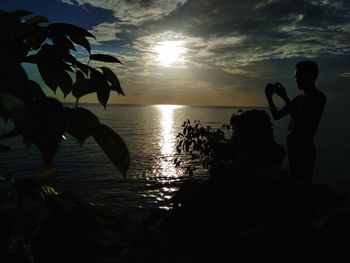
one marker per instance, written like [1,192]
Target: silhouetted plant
[247,210]
[43,121]
[249,136]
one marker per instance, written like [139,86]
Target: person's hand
[280,90]
[269,90]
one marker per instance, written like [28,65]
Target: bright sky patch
[168,52]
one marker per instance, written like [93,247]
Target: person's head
[306,73]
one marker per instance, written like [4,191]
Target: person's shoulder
[320,96]
[298,98]
[319,93]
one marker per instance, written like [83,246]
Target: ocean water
[149,131]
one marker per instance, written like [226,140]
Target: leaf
[34,36]
[51,125]
[113,146]
[105,58]
[102,86]
[37,91]
[52,69]
[84,68]
[62,44]
[83,115]
[13,77]
[48,76]
[112,78]
[69,29]
[31,59]
[56,77]
[103,95]
[65,82]
[35,20]
[48,192]
[82,41]
[79,75]
[44,123]
[78,123]
[82,87]
[20,13]
[55,57]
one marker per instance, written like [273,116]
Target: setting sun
[168,52]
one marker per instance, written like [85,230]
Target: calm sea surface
[149,132]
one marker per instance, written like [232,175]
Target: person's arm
[280,91]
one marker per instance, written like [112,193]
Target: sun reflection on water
[164,178]
[167,140]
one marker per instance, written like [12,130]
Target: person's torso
[306,112]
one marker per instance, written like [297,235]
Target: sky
[218,52]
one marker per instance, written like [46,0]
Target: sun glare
[168,52]
[167,140]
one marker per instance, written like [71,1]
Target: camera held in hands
[273,87]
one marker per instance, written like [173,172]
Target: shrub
[249,136]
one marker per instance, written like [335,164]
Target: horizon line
[151,104]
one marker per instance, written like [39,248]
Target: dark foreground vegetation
[249,209]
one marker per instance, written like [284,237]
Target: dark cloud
[231,48]
[208,18]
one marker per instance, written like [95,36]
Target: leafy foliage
[249,136]
[42,120]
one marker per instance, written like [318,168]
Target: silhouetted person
[305,111]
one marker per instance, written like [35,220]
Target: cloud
[344,74]
[134,12]
[196,51]
[68,2]
[235,71]
[246,32]
[234,44]
[240,31]
[105,32]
